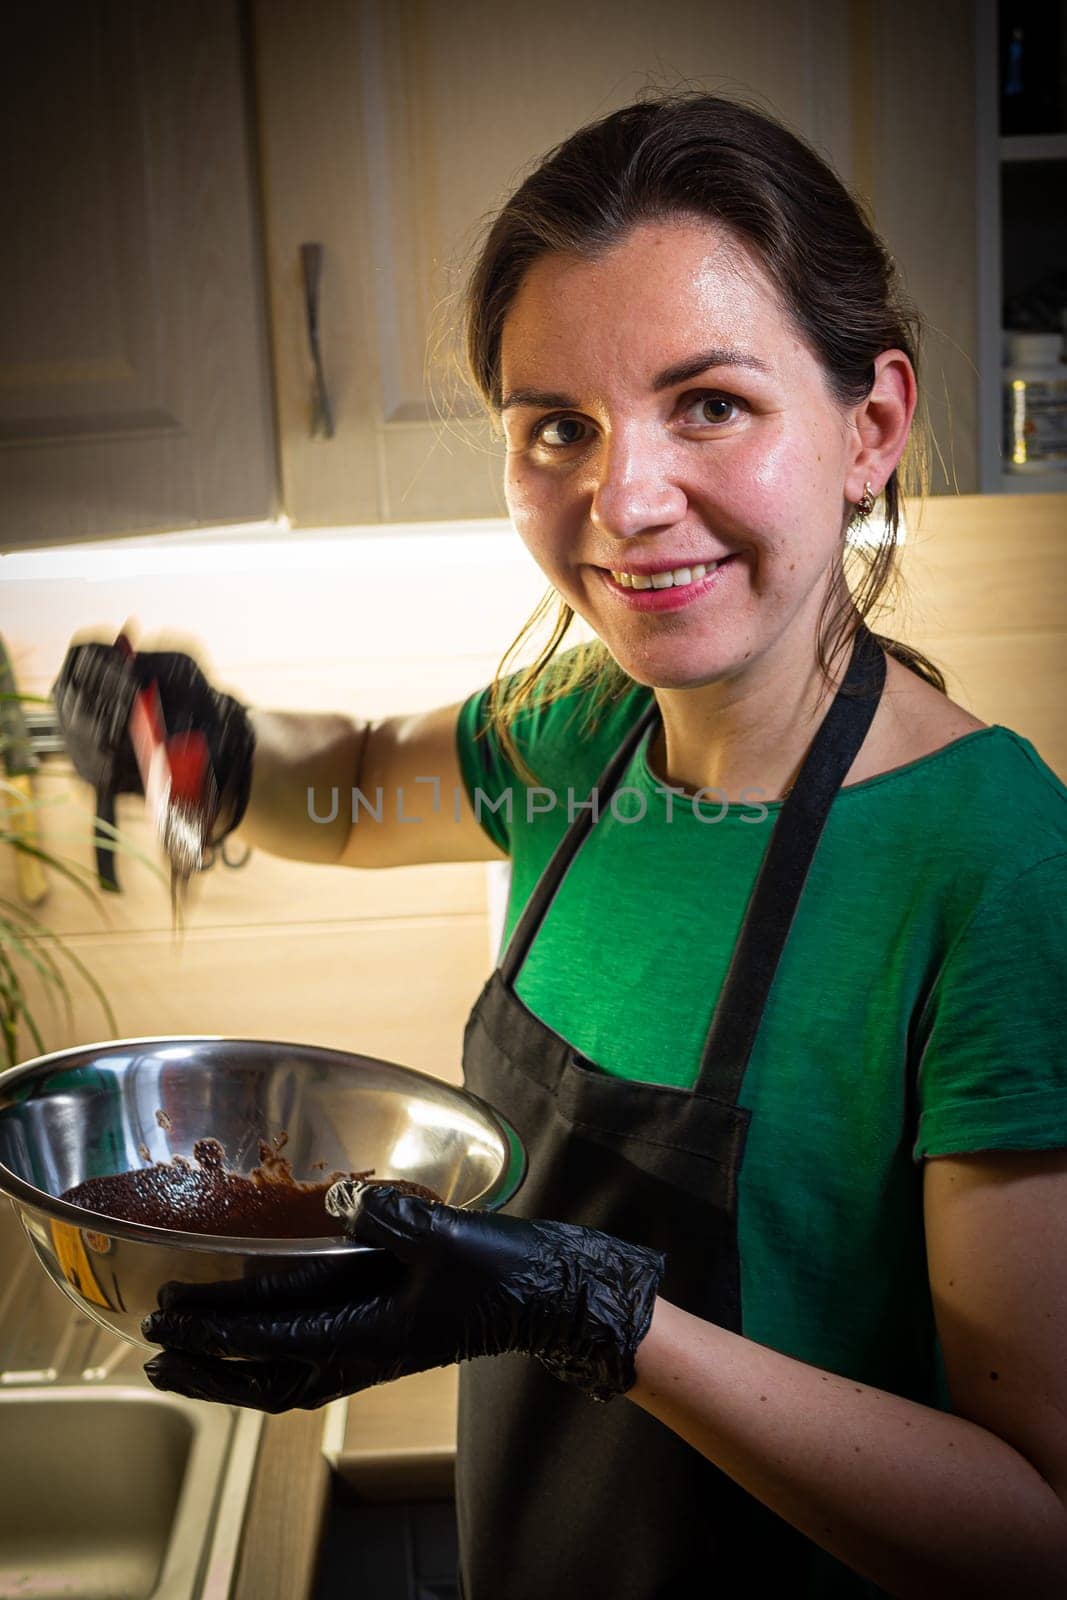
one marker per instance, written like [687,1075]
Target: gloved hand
[443,1285]
[93,697]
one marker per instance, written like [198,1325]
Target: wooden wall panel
[371,624]
[266,892]
[985,596]
[389,962]
[400,990]
[293,624]
[1015,679]
[987,563]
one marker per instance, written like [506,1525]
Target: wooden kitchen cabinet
[388,131]
[135,390]
[139,390]
[390,128]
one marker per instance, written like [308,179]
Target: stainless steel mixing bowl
[108,1108]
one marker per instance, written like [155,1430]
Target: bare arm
[923,1503]
[330,788]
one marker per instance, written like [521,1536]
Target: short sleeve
[993,1035]
[487,776]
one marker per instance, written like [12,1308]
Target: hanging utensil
[181,796]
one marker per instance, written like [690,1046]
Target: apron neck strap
[784,869]
[781,878]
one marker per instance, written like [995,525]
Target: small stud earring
[866,505]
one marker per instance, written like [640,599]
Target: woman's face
[661,415]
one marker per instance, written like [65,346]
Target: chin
[662,673]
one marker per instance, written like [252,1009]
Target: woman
[780,1016]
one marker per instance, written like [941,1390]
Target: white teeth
[664,580]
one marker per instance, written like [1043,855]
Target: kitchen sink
[115,1493]
[109,1490]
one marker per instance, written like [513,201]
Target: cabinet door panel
[391,131]
[134,383]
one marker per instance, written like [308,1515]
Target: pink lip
[666,599]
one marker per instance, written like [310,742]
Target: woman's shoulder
[986,784]
[914,720]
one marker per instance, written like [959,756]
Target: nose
[634,489]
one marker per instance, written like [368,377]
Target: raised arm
[364,794]
[311,786]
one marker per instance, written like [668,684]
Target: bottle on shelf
[1035,403]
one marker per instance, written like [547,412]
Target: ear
[880,424]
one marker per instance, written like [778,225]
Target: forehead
[663,291]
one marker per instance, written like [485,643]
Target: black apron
[556,1494]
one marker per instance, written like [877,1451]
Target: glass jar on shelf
[1035,402]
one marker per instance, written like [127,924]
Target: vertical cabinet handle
[321,412]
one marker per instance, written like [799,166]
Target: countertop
[398,1440]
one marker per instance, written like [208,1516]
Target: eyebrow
[680,372]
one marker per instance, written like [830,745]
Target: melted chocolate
[205,1198]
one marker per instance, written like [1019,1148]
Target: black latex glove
[94,695]
[444,1285]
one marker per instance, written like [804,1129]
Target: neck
[745,737]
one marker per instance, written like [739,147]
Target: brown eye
[716,408]
[559,432]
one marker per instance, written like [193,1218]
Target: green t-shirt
[919,1008]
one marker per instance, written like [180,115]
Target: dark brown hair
[696,155]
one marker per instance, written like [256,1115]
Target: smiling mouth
[674,578]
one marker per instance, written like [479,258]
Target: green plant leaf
[81,877]
[34,1033]
[93,983]
[16,1012]
[18,925]
[25,939]
[32,943]
[105,833]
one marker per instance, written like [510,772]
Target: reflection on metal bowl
[109,1108]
